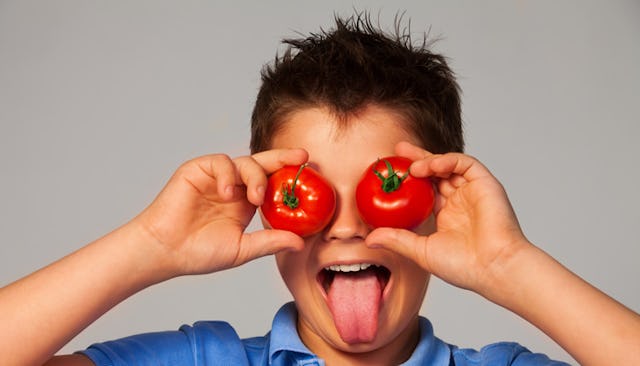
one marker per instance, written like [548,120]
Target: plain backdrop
[101,100]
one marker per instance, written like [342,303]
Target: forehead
[317,127]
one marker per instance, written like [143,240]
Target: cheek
[415,284]
[284,263]
[291,266]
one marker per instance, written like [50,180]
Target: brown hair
[355,65]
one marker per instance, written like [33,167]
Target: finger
[411,151]
[441,165]
[254,177]
[265,242]
[253,169]
[447,165]
[272,160]
[209,174]
[404,242]
[421,158]
[451,184]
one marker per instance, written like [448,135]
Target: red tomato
[387,195]
[298,199]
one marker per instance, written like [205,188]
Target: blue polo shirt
[217,343]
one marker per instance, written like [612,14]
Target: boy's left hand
[478,245]
[477,229]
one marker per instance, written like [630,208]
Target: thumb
[265,242]
[404,242]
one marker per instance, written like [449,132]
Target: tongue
[354,301]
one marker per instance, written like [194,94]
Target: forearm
[589,325]
[48,308]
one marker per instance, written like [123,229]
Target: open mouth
[325,276]
[354,294]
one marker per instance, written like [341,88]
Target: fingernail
[228,191]
[417,168]
[374,245]
[260,191]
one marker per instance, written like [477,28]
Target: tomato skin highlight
[405,208]
[316,200]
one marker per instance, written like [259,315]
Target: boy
[338,101]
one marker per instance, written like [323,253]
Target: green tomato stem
[392,181]
[288,192]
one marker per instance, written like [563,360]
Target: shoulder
[196,344]
[501,353]
[211,331]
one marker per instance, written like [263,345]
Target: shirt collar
[430,349]
[284,335]
[284,339]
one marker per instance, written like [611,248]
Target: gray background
[100,101]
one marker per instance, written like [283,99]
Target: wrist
[503,282]
[526,278]
[148,260]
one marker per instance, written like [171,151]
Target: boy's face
[380,313]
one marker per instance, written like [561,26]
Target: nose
[346,223]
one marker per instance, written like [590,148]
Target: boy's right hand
[197,223]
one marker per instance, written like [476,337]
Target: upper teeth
[348,267]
